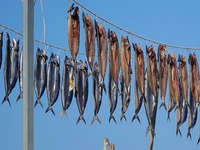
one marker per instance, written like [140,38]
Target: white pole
[28,45]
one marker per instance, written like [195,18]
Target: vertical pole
[28,114]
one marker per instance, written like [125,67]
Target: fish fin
[112,117]
[163,105]
[136,117]
[178,131]
[63,112]
[6,99]
[95,118]
[123,117]
[38,102]
[81,118]
[198,141]
[50,108]
[18,98]
[189,134]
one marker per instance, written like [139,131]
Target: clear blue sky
[176,22]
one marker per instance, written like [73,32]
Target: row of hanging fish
[150,81]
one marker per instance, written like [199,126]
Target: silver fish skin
[102,47]
[40,75]
[11,67]
[181,115]
[1,47]
[73,27]
[67,77]
[20,76]
[112,96]
[97,91]
[89,39]
[193,114]
[163,73]
[81,92]
[53,81]
[125,98]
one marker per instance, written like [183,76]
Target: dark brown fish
[139,88]
[173,80]
[89,39]
[114,57]
[163,73]
[126,61]
[152,70]
[102,50]
[73,31]
[194,77]
[183,77]
[139,68]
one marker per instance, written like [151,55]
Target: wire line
[133,34]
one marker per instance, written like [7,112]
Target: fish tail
[136,117]
[19,96]
[63,112]
[80,118]
[50,108]
[38,102]
[6,99]
[168,116]
[112,117]
[123,117]
[163,105]
[95,118]
[198,140]
[148,129]
[189,134]
[178,131]
[102,84]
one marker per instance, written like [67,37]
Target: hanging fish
[53,81]
[102,50]
[152,70]
[163,73]
[181,115]
[40,75]
[11,67]
[194,77]
[126,71]
[112,95]
[97,92]
[1,47]
[81,92]
[67,78]
[89,39]
[139,88]
[183,78]
[20,76]
[173,80]
[192,115]
[114,57]
[125,98]
[73,31]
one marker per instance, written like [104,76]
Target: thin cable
[133,34]
[43,20]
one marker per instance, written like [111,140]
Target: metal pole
[28,114]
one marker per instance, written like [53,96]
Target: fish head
[44,55]
[76,12]
[69,61]
[95,67]
[101,29]
[149,50]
